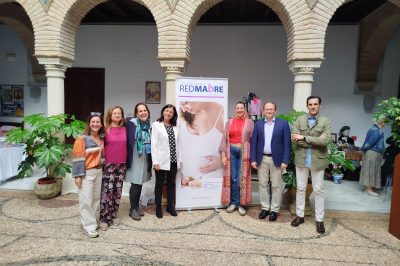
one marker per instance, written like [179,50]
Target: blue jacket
[280,142]
[374,140]
[130,134]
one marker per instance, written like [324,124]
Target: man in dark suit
[270,154]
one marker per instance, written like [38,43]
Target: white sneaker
[231,208]
[92,234]
[372,193]
[242,211]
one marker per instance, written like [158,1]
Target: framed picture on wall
[18,93]
[153,92]
[8,96]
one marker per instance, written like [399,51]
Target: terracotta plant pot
[47,188]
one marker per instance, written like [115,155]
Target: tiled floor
[347,196]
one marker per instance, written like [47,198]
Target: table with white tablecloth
[10,158]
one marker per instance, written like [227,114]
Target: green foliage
[337,158]
[290,179]
[292,116]
[389,111]
[43,145]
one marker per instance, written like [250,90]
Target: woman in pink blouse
[115,166]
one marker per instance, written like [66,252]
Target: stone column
[303,72]
[173,69]
[55,74]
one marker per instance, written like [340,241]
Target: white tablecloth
[10,157]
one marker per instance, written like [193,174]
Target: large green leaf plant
[45,146]
[389,111]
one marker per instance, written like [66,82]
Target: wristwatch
[305,138]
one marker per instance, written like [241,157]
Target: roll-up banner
[202,109]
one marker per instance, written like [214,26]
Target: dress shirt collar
[272,121]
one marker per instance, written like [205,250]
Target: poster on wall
[153,92]
[202,110]
[12,100]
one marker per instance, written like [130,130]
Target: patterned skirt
[371,169]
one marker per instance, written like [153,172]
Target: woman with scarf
[139,156]
[235,149]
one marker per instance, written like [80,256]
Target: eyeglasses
[95,113]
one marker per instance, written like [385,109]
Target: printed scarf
[142,134]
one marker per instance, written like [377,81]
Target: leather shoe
[134,214]
[172,211]
[273,216]
[297,221]
[320,227]
[263,214]
[159,213]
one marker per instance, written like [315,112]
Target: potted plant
[389,111]
[45,148]
[338,162]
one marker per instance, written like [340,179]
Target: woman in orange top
[87,171]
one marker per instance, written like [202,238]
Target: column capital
[304,66]
[303,71]
[55,66]
[174,65]
[55,62]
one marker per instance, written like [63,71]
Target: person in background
[373,148]
[139,156]
[344,140]
[311,133]
[235,150]
[165,157]
[270,154]
[115,166]
[87,171]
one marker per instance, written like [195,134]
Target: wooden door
[84,92]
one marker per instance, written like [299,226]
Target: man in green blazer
[311,133]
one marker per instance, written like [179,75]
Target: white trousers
[317,177]
[268,170]
[89,199]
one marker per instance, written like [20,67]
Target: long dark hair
[174,117]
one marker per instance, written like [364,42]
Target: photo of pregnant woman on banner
[202,105]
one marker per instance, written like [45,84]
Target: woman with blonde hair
[115,166]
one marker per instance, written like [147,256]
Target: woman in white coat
[165,157]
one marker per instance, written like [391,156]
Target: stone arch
[188,13]
[64,19]
[19,21]
[375,33]
[321,14]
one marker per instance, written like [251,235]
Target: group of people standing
[266,146]
[124,149]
